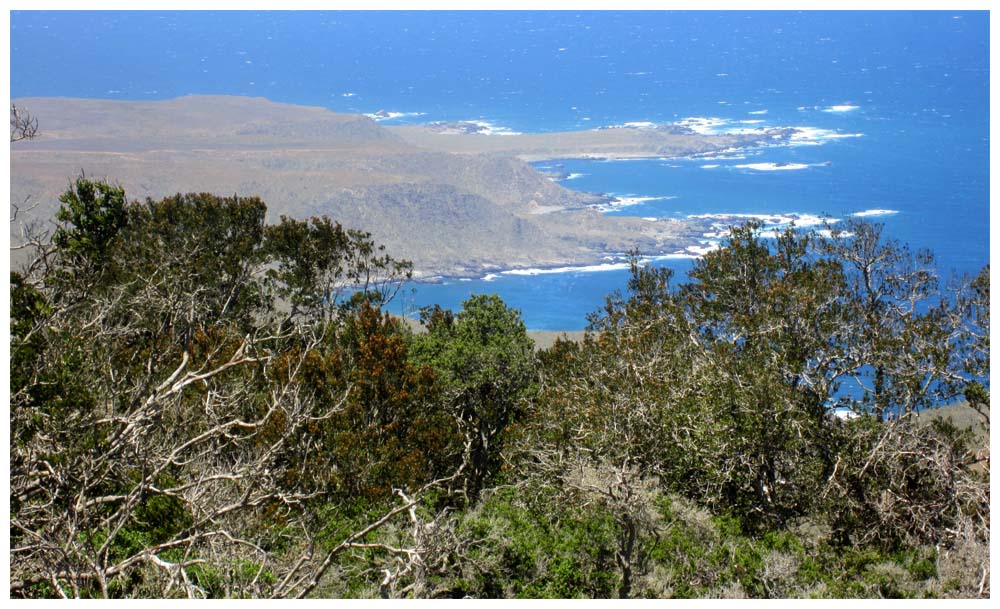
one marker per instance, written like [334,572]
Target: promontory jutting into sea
[816,117]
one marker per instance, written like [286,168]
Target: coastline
[669,141]
[459,200]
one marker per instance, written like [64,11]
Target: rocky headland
[455,201]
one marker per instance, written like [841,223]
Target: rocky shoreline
[458,199]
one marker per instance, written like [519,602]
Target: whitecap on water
[773,166]
[383,115]
[814,136]
[874,212]
[829,234]
[620,202]
[840,108]
[614,266]
[800,220]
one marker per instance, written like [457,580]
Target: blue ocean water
[897,102]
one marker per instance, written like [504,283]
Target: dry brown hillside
[452,212]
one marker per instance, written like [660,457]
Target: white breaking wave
[702,125]
[730,154]
[615,266]
[829,234]
[701,250]
[709,166]
[799,219]
[487,128]
[773,226]
[563,178]
[874,212]
[799,136]
[690,252]
[721,126]
[631,125]
[620,202]
[476,127]
[805,136]
[773,166]
[840,108]
[383,115]
[758,112]
[843,413]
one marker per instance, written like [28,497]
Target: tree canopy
[207,405]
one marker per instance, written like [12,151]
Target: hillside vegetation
[207,404]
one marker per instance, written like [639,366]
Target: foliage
[204,405]
[93,214]
[486,365]
[159,403]
[318,262]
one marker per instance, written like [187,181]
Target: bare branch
[23,126]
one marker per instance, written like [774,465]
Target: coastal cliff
[455,204]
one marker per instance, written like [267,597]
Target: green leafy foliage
[486,365]
[317,263]
[93,213]
[203,405]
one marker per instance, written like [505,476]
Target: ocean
[894,106]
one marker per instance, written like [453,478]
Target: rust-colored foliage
[392,433]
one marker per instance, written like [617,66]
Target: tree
[974,306]
[899,327]
[486,364]
[721,388]
[92,216]
[23,126]
[614,415]
[158,400]
[319,264]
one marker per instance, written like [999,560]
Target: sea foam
[488,128]
[620,202]
[773,166]
[800,220]
[840,108]
[874,212]
[383,115]
[829,234]
[815,136]
[799,135]
[611,266]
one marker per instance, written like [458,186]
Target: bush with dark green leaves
[205,405]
